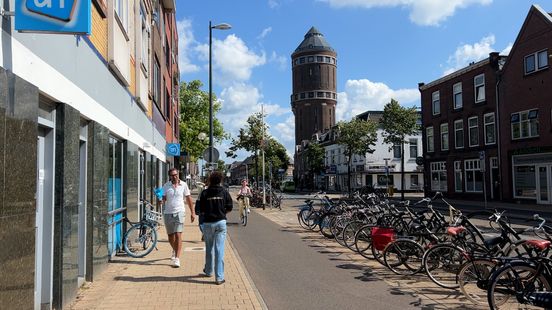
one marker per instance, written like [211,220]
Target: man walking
[174,193]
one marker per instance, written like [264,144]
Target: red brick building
[525,98]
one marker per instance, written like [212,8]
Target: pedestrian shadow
[137,261]
[233,223]
[197,279]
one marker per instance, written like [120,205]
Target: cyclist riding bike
[243,197]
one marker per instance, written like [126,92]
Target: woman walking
[215,202]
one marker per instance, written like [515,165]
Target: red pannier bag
[381,237]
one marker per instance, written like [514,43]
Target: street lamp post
[387,174]
[222,26]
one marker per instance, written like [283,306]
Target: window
[384,180]
[319,59]
[429,136]
[435,103]
[303,95]
[479,85]
[396,151]
[457,95]
[536,62]
[525,181]
[311,94]
[438,176]
[121,9]
[319,94]
[473,131]
[444,137]
[414,181]
[457,176]
[459,134]
[474,176]
[167,102]
[328,59]
[156,82]
[413,148]
[310,59]
[145,39]
[489,127]
[524,124]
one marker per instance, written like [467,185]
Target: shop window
[458,176]
[473,176]
[438,176]
[525,182]
[384,180]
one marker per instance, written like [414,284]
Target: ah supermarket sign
[53,16]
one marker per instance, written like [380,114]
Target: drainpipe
[499,147]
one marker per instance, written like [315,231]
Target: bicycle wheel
[337,229]
[473,279]
[442,263]
[244,217]
[510,285]
[403,257]
[363,241]
[140,240]
[302,217]
[349,233]
[326,222]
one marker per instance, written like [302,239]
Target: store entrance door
[543,184]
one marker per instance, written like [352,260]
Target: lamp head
[223,26]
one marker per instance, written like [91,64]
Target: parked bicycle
[141,238]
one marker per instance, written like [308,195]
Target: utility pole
[387,175]
[263,154]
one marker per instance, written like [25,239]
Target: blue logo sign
[53,16]
[173,149]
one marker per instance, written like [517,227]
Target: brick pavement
[151,282]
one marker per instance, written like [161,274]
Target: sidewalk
[151,282]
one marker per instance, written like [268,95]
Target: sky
[384,49]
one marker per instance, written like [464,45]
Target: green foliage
[194,119]
[251,140]
[357,136]
[315,156]
[398,122]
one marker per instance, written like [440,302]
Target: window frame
[145,39]
[436,103]
[413,146]
[444,136]
[530,120]
[439,167]
[432,149]
[458,173]
[459,121]
[470,127]
[536,61]
[487,124]
[477,86]
[472,166]
[455,92]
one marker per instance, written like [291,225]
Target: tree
[314,154]
[358,137]
[398,122]
[251,140]
[194,119]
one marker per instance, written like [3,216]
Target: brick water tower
[314,94]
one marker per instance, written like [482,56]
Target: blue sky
[384,49]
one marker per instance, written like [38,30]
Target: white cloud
[422,12]
[280,60]
[264,33]
[233,60]
[469,53]
[273,4]
[363,95]
[185,42]
[506,51]
[285,133]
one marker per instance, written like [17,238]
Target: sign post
[482,168]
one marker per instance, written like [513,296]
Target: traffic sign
[215,154]
[173,149]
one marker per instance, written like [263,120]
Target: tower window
[311,94]
[302,95]
[320,94]
[319,59]
[311,59]
[328,94]
[328,60]
[302,60]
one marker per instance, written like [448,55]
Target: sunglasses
[173,175]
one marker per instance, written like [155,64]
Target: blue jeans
[215,236]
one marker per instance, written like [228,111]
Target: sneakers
[205,274]
[173,255]
[248,210]
[219,282]
[176,263]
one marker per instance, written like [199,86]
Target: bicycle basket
[381,237]
[153,216]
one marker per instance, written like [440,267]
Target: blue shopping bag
[159,193]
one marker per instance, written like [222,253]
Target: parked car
[288,186]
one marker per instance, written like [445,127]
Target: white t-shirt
[175,195]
